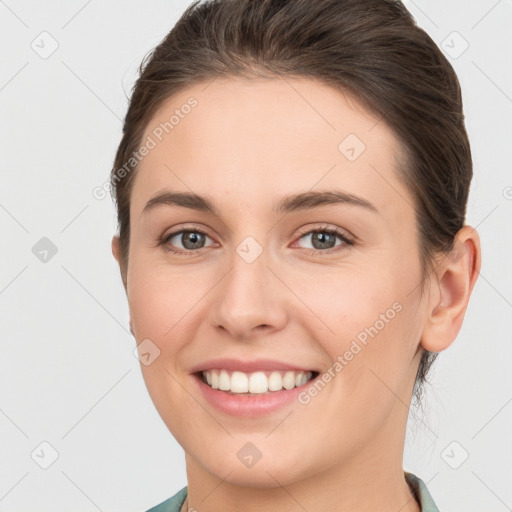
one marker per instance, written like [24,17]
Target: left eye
[325,239]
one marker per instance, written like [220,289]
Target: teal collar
[417,486]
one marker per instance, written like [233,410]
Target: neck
[371,479]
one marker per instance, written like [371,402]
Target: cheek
[369,323]
[371,349]
[162,310]
[160,300]
[346,303]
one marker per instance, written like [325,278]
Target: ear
[116,248]
[451,285]
[116,251]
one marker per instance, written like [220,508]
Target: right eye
[191,240]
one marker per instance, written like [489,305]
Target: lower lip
[249,406]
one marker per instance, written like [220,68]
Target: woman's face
[266,281]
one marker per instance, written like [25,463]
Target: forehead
[267,137]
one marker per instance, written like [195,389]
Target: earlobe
[453,281]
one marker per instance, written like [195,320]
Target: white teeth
[256,382]
[224,381]
[215,379]
[289,380]
[239,382]
[275,382]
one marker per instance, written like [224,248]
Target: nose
[249,300]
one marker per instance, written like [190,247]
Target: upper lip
[247,366]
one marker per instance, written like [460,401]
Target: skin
[246,145]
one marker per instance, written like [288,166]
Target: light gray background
[68,373]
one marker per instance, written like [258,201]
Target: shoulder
[420,491]
[416,484]
[172,504]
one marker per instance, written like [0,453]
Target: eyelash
[323,229]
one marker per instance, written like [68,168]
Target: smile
[259,382]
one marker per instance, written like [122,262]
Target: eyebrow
[292,203]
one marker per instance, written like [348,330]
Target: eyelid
[176,230]
[327,227]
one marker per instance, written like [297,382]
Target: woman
[291,188]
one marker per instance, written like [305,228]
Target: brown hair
[371,48]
